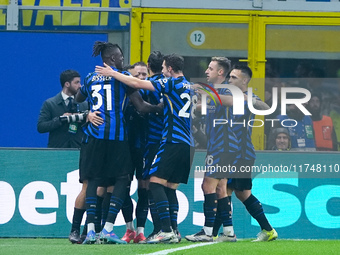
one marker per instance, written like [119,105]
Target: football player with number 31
[173,161]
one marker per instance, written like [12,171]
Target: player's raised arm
[130,81]
[260,105]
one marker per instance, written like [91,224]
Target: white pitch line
[164,252]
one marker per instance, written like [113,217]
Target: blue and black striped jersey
[243,131]
[221,138]
[107,95]
[135,126]
[177,109]
[154,121]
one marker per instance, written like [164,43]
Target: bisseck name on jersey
[100,77]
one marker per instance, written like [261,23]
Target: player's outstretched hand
[105,70]
[201,91]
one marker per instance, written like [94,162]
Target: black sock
[230,211]
[84,233]
[105,207]
[91,200]
[223,214]
[255,209]
[142,207]
[127,208]
[162,205]
[225,211]
[77,218]
[157,226]
[210,208]
[98,217]
[217,223]
[173,206]
[117,198]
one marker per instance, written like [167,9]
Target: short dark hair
[105,49]
[244,69]
[223,62]
[175,61]
[68,76]
[140,63]
[155,61]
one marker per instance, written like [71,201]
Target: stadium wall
[41,38]
[38,188]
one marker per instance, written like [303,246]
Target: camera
[74,117]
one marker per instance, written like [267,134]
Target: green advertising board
[38,188]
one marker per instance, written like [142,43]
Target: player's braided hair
[105,49]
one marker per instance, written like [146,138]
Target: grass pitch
[42,246]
